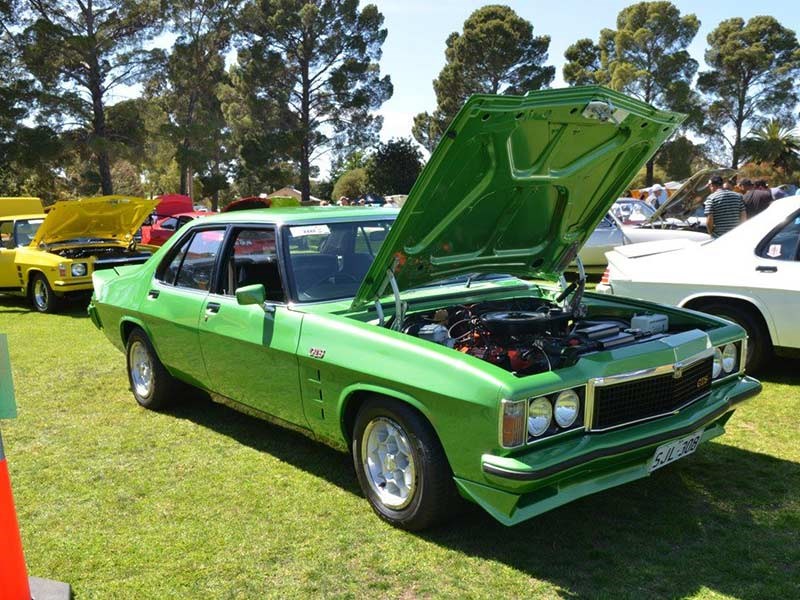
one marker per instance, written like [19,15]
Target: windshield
[328,261]
[464,279]
[25,230]
[632,211]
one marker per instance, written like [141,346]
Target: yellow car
[48,257]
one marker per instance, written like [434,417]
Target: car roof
[306,214]
[192,213]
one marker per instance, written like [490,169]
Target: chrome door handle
[766,269]
[153,294]
[212,307]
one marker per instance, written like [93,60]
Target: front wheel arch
[760,341]
[433,497]
[30,275]
[354,397]
[698,302]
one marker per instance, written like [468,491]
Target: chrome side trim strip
[743,356]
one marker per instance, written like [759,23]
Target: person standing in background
[724,208]
[756,197]
[657,196]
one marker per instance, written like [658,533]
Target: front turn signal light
[513,425]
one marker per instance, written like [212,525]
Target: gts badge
[316,352]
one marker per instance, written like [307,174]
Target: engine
[529,335]
[98,251]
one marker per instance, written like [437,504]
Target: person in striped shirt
[724,209]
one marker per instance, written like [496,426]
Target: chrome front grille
[633,398]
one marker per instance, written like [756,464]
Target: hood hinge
[399,305]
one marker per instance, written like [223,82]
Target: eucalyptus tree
[317,63]
[646,57]
[496,53]
[80,52]
[753,70]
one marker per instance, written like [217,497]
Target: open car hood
[106,217]
[517,185]
[689,196]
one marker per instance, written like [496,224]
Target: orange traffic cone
[13,574]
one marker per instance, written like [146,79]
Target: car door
[8,270]
[777,279]
[606,236]
[249,352]
[176,299]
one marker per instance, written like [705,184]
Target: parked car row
[632,221]
[52,256]
[439,344]
[750,276]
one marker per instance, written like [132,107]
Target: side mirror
[251,294]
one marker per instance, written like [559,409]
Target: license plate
[674,450]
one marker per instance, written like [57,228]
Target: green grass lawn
[204,502]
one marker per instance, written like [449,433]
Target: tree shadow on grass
[289,446]
[73,307]
[724,519]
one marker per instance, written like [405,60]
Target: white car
[634,221]
[612,233]
[750,275]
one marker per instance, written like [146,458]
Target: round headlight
[567,406]
[717,368]
[729,358]
[540,413]
[78,269]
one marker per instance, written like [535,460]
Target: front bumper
[604,288]
[516,488]
[68,286]
[94,316]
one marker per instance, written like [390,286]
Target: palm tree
[774,144]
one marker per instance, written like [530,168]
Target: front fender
[457,394]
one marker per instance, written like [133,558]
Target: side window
[6,234]
[253,259]
[169,267]
[784,244]
[191,262]
[370,238]
[607,222]
[171,224]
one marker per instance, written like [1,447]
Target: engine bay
[98,251]
[527,336]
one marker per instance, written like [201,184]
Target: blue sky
[413,53]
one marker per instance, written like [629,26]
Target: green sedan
[439,344]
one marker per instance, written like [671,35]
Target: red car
[163,227]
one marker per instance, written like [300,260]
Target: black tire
[42,296]
[163,388]
[433,497]
[759,344]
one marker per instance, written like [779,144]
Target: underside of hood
[107,217]
[689,196]
[516,186]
